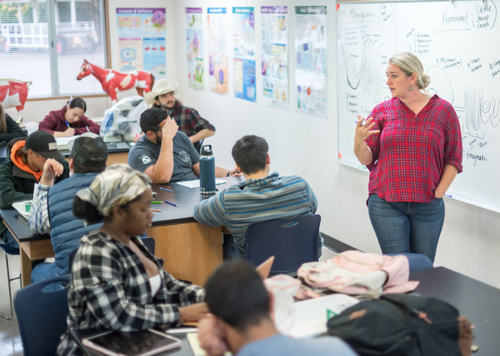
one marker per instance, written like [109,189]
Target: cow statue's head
[85,70]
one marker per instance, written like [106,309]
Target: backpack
[401,324]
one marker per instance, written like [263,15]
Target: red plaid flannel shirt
[411,151]
[188,119]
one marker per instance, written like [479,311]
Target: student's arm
[211,212]
[161,171]
[48,124]
[312,196]
[13,130]
[84,123]
[8,193]
[201,135]
[219,172]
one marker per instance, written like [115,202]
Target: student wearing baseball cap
[49,212]
[23,167]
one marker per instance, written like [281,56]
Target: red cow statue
[112,80]
[14,92]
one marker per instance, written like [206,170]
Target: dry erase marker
[170,203]
[156,202]
[167,190]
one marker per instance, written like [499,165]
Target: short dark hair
[152,118]
[78,103]
[93,165]
[250,153]
[236,294]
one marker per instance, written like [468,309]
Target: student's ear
[268,160]
[71,164]
[238,168]
[119,213]
[271,302]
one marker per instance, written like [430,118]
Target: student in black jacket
[8,127]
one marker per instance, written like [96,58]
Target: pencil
[165,189]
[157,210]
[170,203]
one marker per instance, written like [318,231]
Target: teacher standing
[412,146]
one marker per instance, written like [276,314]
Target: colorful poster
[244,53]
[194,47]
[311,60]
[141,40]
[275,56]
[218,79]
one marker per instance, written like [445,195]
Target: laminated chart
[311,59]
[194,47]
[218,79]
[141,40]
[244,53]
[274,60]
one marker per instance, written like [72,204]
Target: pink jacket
[355,272]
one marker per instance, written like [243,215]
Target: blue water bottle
[207,171]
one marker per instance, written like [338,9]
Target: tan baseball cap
[162,86]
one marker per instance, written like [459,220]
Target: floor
[10,341]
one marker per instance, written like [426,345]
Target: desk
[191,251]
[475,300]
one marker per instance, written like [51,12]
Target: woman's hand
[364,131]
[193,312]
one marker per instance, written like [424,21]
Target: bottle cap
[206,150]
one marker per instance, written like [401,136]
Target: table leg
[25,267]
[191,251]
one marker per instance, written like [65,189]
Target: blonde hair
[409,64]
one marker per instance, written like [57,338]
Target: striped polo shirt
[256,200]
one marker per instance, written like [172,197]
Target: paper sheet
[196,183]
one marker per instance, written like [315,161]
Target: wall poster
[244,53]
[217,51]
[275,56]
[141,40]
[311,60]
[194,47]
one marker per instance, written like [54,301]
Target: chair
[8,250]
[42,316]
[149,242]
[417,261]
[291,241]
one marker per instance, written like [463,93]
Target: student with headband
[116,283]
[69,121]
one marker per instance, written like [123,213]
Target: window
[46,43]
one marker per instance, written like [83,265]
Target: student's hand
[170,128]
[364,131]
[211,337]
[193,312]
[69,132]
[51,169]
[234,173]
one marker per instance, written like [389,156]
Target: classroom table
[191,251]
[475,300]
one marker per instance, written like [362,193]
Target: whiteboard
[458,44]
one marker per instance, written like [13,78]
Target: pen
[156,210]
[67,123]
[170,203]
[87,128]
[167,190]
[156,202]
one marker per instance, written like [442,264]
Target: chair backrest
[42,316]
[291,241]
[149,242]
[417,261]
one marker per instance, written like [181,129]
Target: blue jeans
[407,227]
[9,239]
[45,271]
[230,249]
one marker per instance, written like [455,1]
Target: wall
[307,146]
[36,110]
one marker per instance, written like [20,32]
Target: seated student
[8,128]
[22,168]
[116,283]
[49,212]
[69,121]
[166,154]
[162,96]
[241,321]
[262,197]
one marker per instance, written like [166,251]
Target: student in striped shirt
[263,196]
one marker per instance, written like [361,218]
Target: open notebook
[21,208]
